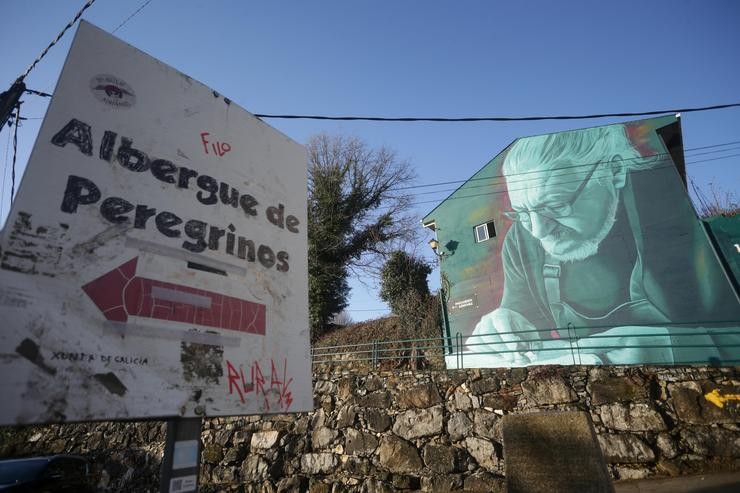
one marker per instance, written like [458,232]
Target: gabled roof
[428,219]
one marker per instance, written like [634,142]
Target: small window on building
[484,232]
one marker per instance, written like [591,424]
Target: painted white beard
[587,247]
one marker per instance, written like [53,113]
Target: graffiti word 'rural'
[274,393]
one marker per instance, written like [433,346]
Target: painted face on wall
[569,211]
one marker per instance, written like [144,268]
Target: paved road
[710,483]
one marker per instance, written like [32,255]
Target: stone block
[553,452]
[398,456]
[318,463]
[548,390]
[442,483]
[420,396]
[380,400]
[667,446]
[711,441]
[419,423]
[322,437]
[359,443]
[485,424]
[264,439]
[484,483]
[632,417]
[441,459]
[377,420]
[625,448]
[485,385]
[692,406]
[346,416]
[459,426]
[504,402]
[610,389]
[483,451]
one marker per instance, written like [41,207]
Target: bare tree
[356,215]
[717,202]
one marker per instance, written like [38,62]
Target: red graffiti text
[273,392]
[218,148]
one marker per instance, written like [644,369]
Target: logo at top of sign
[112,91]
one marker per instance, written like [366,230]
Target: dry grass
[387,331]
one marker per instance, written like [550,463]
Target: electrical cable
[5,173]
[501,178]
[497,118]
[131,16]
[38,93]
[496,192]
[15,150]
[59,36]
[411,187]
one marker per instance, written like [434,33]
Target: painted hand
[507,334]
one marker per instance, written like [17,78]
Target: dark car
[52,474]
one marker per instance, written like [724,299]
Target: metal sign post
[181,461]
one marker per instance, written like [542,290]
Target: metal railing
[697,343]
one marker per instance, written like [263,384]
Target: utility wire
[15,150]
[495,118]
[59,36]
[5,174]
[507,190]
[141,7]
[497,192]
[38,93]
[502,181]
[500,177]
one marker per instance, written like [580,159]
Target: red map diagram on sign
[121,293]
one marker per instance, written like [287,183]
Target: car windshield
[15,471]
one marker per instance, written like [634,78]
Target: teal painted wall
[597,247]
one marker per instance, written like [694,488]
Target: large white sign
[154,261]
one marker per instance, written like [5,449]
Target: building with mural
[582,247]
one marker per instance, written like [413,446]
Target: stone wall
[429,431]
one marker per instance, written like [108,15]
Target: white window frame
[479,238]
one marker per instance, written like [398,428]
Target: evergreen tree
[355,216]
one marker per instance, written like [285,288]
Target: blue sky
[420,58]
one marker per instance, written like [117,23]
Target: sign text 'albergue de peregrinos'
[206,190]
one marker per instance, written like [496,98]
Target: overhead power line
[583,165]
[59,36]
[495,118]
[498,192]
[141,7]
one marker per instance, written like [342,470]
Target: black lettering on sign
[165,221]
[77,133]
[282,265]
[248,203]
[245,250]
[106,145]
[195,230]
[130,158]
[143,213]
[210,185]
[79,191]
[184,177]
[230,240]
[276,215]
[231,199]
[291,223]
[266,256]
[163,170]
[113,209]
[214,234]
